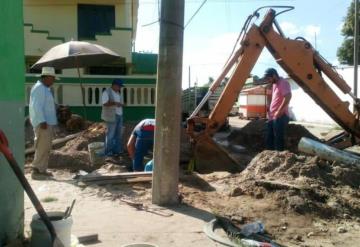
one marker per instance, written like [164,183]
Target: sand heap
[302,183]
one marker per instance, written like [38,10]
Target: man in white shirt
[112,114]
[43,119]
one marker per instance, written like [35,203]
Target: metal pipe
[201,104]
[353,96]
[326,152]
[217,82]
[279,28]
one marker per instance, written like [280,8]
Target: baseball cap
[269,73]
[118,82]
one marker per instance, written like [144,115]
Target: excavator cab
[301,62]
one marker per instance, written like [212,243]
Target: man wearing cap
[141,142]
[278,112]
[112,114]
[43,119]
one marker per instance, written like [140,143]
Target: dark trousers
[275,138]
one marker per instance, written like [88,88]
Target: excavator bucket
[210,157]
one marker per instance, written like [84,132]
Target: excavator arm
[304,65]
[301,62]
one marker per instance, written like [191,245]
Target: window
[94,19]
[106,70]
[117,67]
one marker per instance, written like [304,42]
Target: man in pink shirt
[278,113]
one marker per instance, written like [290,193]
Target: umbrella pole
[82,91]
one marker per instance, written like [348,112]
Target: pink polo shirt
[279,90]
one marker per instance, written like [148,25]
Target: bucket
[40,236]
[96,150]
[139,245]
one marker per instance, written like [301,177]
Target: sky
[210,36]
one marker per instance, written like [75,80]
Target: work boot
[37,175]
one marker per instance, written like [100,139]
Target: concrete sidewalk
[117,223]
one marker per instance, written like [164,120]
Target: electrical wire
[188,22]
[158,20]
[249,20]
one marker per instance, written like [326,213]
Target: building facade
[110,23]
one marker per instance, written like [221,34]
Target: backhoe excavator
[301,62]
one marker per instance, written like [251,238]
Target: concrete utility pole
[189,77]
[356,48]
[168,104]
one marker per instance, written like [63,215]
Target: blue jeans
[144,143]
[113,139]
[275,139]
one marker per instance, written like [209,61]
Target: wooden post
[168,104]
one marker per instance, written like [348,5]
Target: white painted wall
[303,108]
[119,42]
[37,43]
[60,20]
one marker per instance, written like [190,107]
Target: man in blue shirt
[43,119]
[141,142]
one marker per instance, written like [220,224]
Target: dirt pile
[252,136]
[95,133]
[74,155]
[71,160]
[303,184]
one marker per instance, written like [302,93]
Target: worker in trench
[141,141]
[43,119]
[278,112]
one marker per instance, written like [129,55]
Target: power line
[188,22]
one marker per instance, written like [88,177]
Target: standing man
[141,142]
[278,113]
[112,114]
[43,119]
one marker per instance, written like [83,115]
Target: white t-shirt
[117,98]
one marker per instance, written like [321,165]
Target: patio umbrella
[76,54]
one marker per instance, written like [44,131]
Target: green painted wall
[101,80]
[144,63]
[131,114]
[12,116]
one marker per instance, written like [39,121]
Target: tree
[345,53]
[210,80]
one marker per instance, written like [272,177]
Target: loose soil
[252,136]
[302,200]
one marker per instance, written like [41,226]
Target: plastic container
[253,243]
[149,166]
[251,228]
[40,236]
[96,150]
